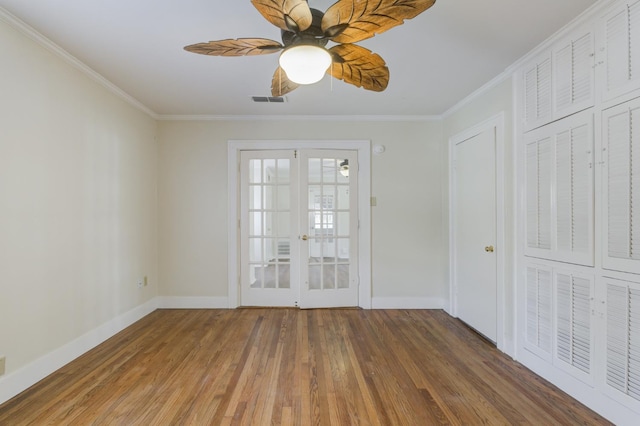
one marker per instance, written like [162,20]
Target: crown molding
[30,32]
[333,118]
[584,18]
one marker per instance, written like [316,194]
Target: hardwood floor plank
[294,367]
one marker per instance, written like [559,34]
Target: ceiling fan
[306,32]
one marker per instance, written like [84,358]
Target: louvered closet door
[574,350]
[622,61]
[574,205]
[559,191]
[621,187]
[622,355]
[538,99]
[538,310]
[573,74]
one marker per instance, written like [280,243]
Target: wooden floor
[295,367]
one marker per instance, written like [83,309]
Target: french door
[298,228]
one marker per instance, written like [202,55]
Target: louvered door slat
[573,332]
[617,48]
[563,77]
[582,72]
[544,194]
[623,338]
[538,93]
[531,101]
[634,41]
[532,194]
[564,191]
[544,90]
[622,43]
[539,310]
[634,147]
[618,186]
[581,189]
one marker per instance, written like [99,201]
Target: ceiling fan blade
[281,85]
[350,21]
[289,15]
[359,66]
[236,47]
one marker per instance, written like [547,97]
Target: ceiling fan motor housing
[312,35]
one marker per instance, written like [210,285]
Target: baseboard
[407,303]
[176,302]
[27,376]
[593,397]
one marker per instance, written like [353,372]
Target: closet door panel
[559,191]
[538,190]
[622,49]
[573,75]
[539,310]
[622,342]
[574,349]
[621,187]
[538,97]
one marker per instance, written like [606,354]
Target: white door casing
[362,150]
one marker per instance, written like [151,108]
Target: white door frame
[496,122]
[363,148]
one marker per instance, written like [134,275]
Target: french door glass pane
[269,223]
[328,213]
[329,167]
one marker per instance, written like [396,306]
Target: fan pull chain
[331,74]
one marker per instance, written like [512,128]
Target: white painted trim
[178,302]
[27,376]
[496,122]
[30,32]
[407,303]
[590,396]
[333,118]
[584,18]
[363,147]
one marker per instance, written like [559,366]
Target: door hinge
[295,153]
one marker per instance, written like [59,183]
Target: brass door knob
[304,238]
[488,249]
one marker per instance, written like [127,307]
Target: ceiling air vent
[269,99]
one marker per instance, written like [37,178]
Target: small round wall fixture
[379,149]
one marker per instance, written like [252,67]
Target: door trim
[363,148]
[497,123]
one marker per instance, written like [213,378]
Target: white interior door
[329,227]
[475,232]
[299,228]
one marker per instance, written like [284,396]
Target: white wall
[78,173]
[406,179]
[478,109]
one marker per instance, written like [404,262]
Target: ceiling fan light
[344,168]
[305,64]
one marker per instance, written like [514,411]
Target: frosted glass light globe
[305,64]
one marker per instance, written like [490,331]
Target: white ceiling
[435,60]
